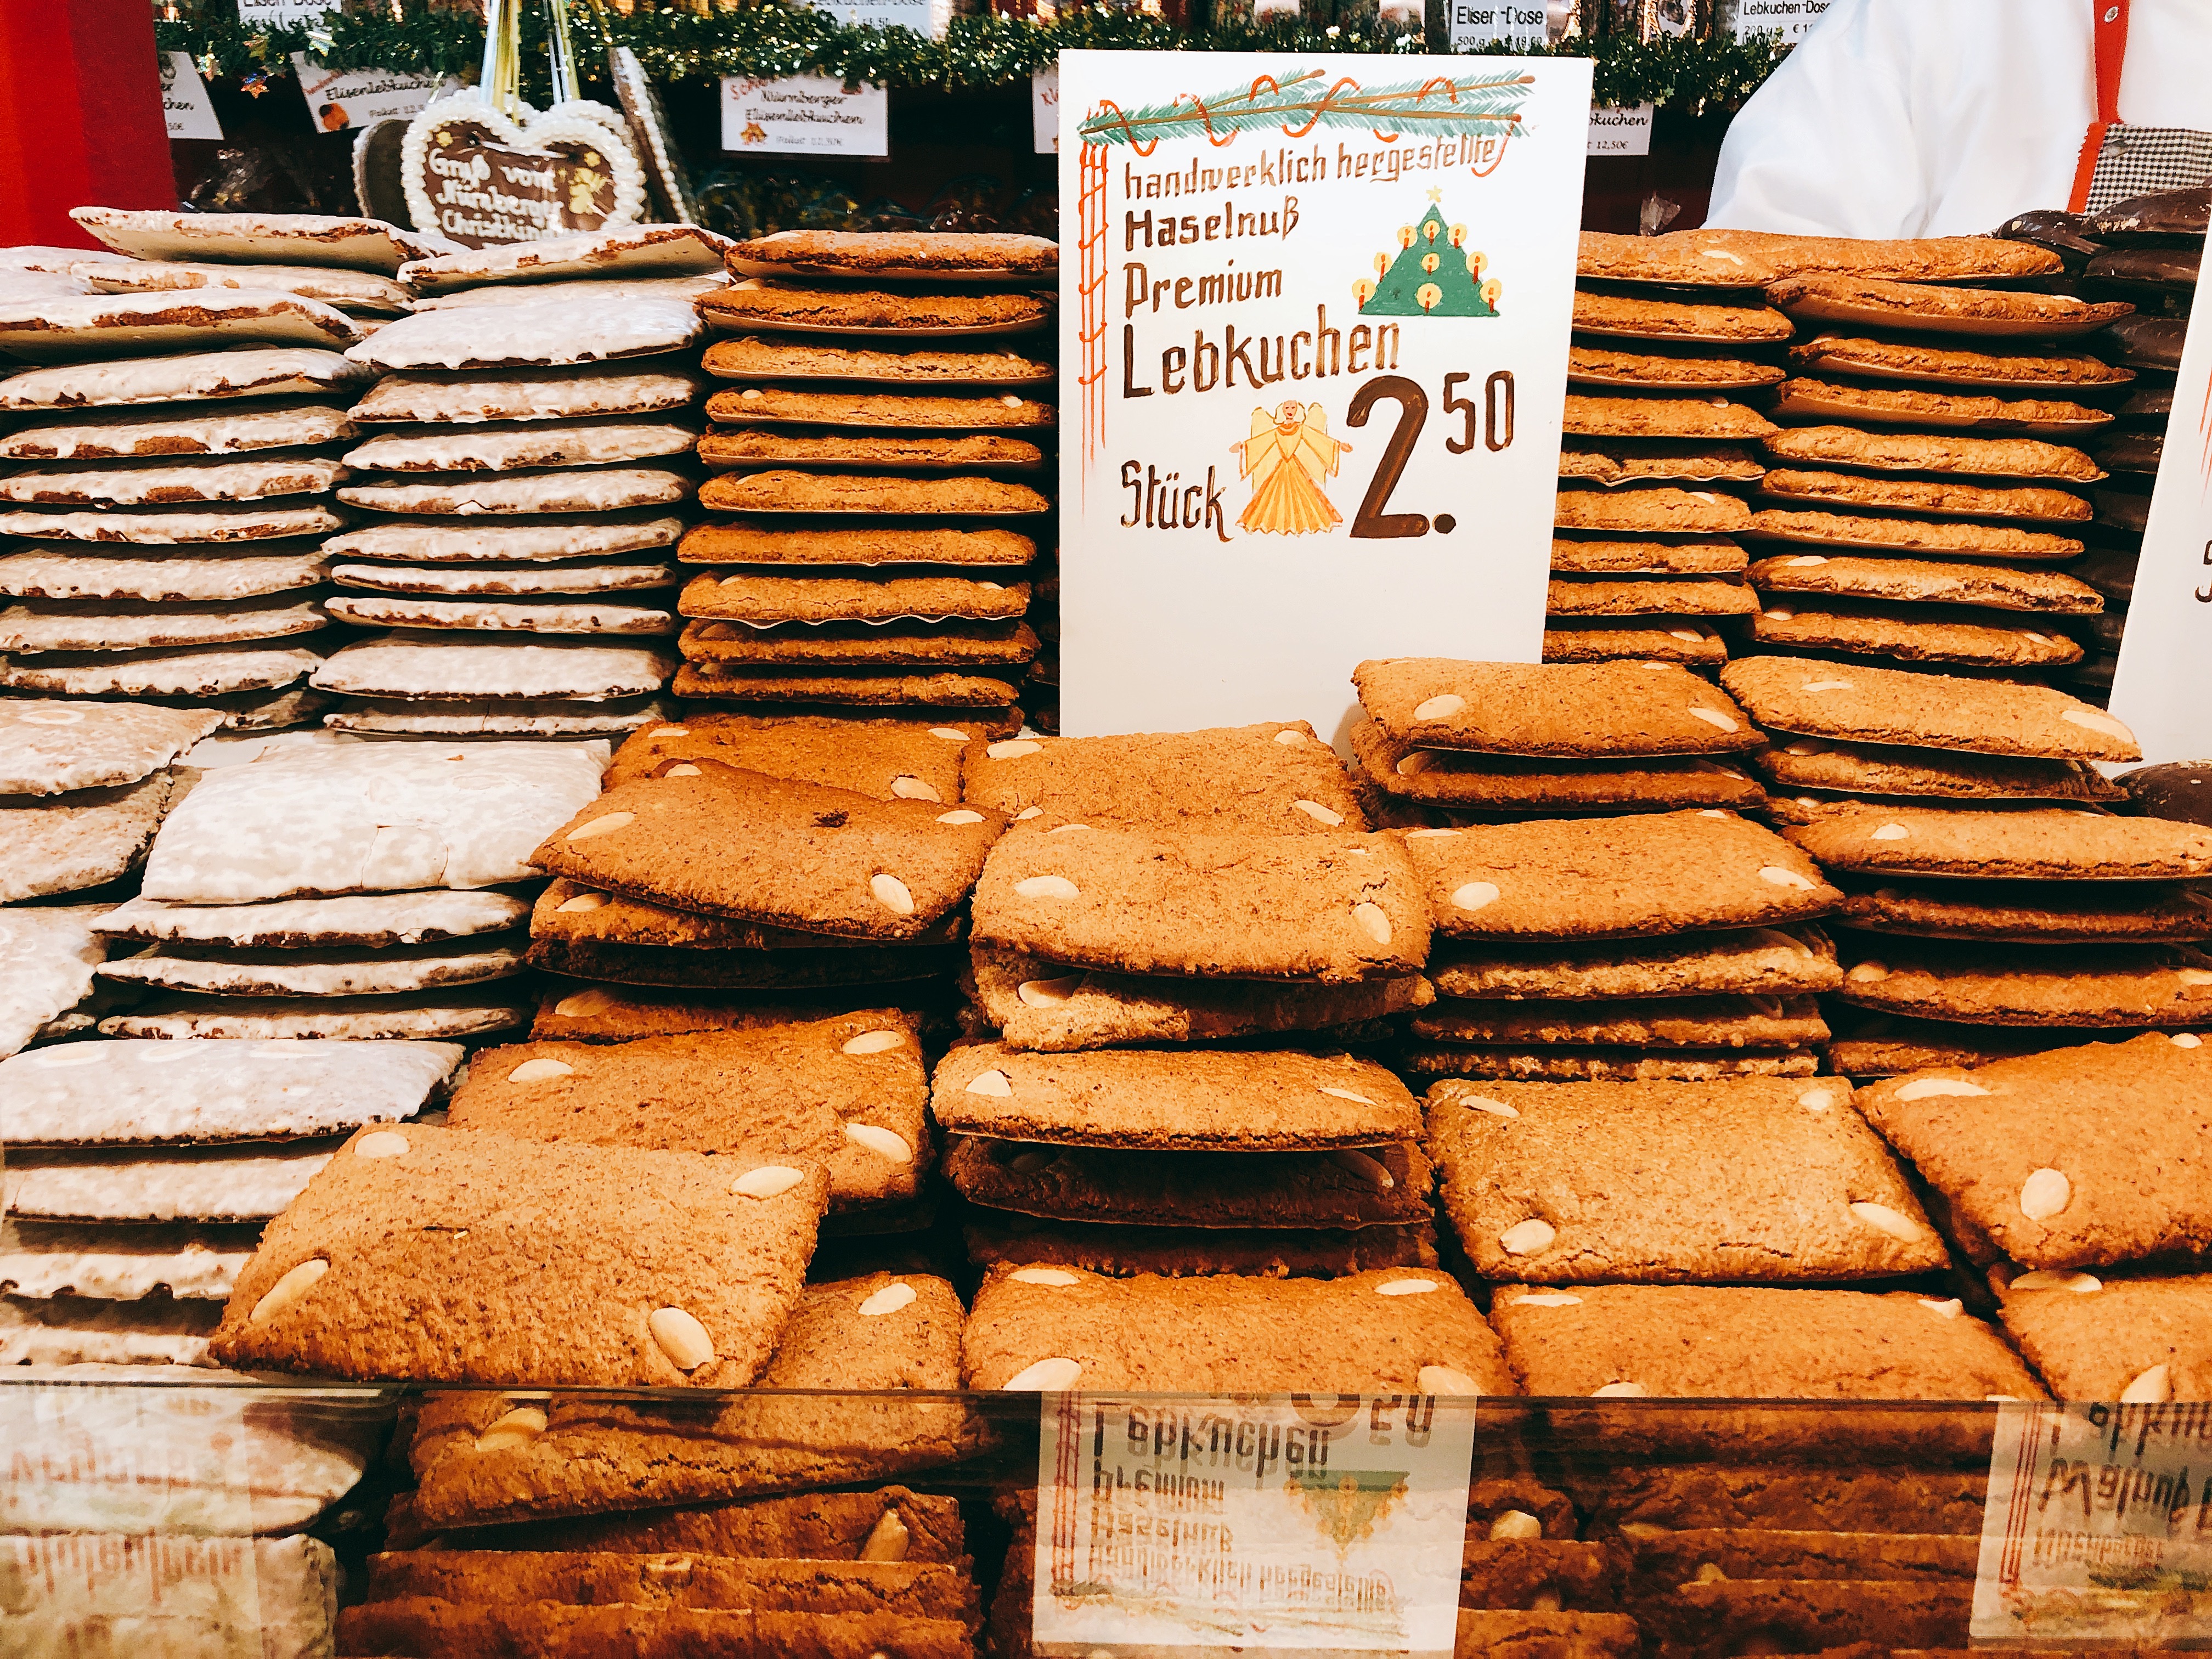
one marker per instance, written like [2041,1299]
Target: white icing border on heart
[578,120]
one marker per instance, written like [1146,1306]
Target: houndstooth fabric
[2137,159]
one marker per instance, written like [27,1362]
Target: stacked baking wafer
[1153,896]
[175,456]
[852,1571]
[1575,942]
[1991,905]
[524,475]
[881,459]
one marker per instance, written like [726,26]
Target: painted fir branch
[1321,98]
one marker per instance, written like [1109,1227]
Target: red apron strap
[2111,52]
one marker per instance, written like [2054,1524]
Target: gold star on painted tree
[1437,194]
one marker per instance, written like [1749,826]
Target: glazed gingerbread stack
[180,448]
[1601,910]
[1992,906]
[1153,897]
[1669,354]
[525,470]
[882,461]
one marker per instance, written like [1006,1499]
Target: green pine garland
[1681,72]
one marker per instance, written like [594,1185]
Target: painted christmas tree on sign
[1435,274]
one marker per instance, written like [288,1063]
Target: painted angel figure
[1287,456]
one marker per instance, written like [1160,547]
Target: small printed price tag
[282,13]
[185,101]
[1621,129]
[1477,23]
[1788,18]
[1289,1524]
[2098,1528]
[805,115]
[339,99]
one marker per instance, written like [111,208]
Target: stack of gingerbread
[643,958]
[1603,912]
[1153,898]
[176,454]
[2074,1179]
[1991,905]
[678,1270]
[1670,354]
[886,1571]
[881,460]
[524,477]
[1928,487]
[1749,1239]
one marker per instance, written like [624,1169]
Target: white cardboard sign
[2098,1528]
[1621,129]
[185,101]
[1484,22]
[1261,1525]
[1314,317]
[283,14]
[805,115]
[2155,687]
[1790,19]
[923,17]
[339,99]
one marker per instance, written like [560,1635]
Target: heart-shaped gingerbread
[473,175]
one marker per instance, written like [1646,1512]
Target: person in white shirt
[1947,117]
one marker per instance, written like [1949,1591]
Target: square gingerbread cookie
[1611,1341]
[847,1093]
[1273,778]
[1753,961]
[891,1523]
[1576,1183]
[1331,906]
[1465,779]
[1924,711]
[1586,711]
[487,1458]
[1395,1331]
[703,835]
[1055,1007]
[451,1255]
[1186,1101]
[1650,875]
[2135,1337]
[2045,845]
[1348,1187]
[890,759]
[2076,1157]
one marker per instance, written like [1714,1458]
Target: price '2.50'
[1491,423]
